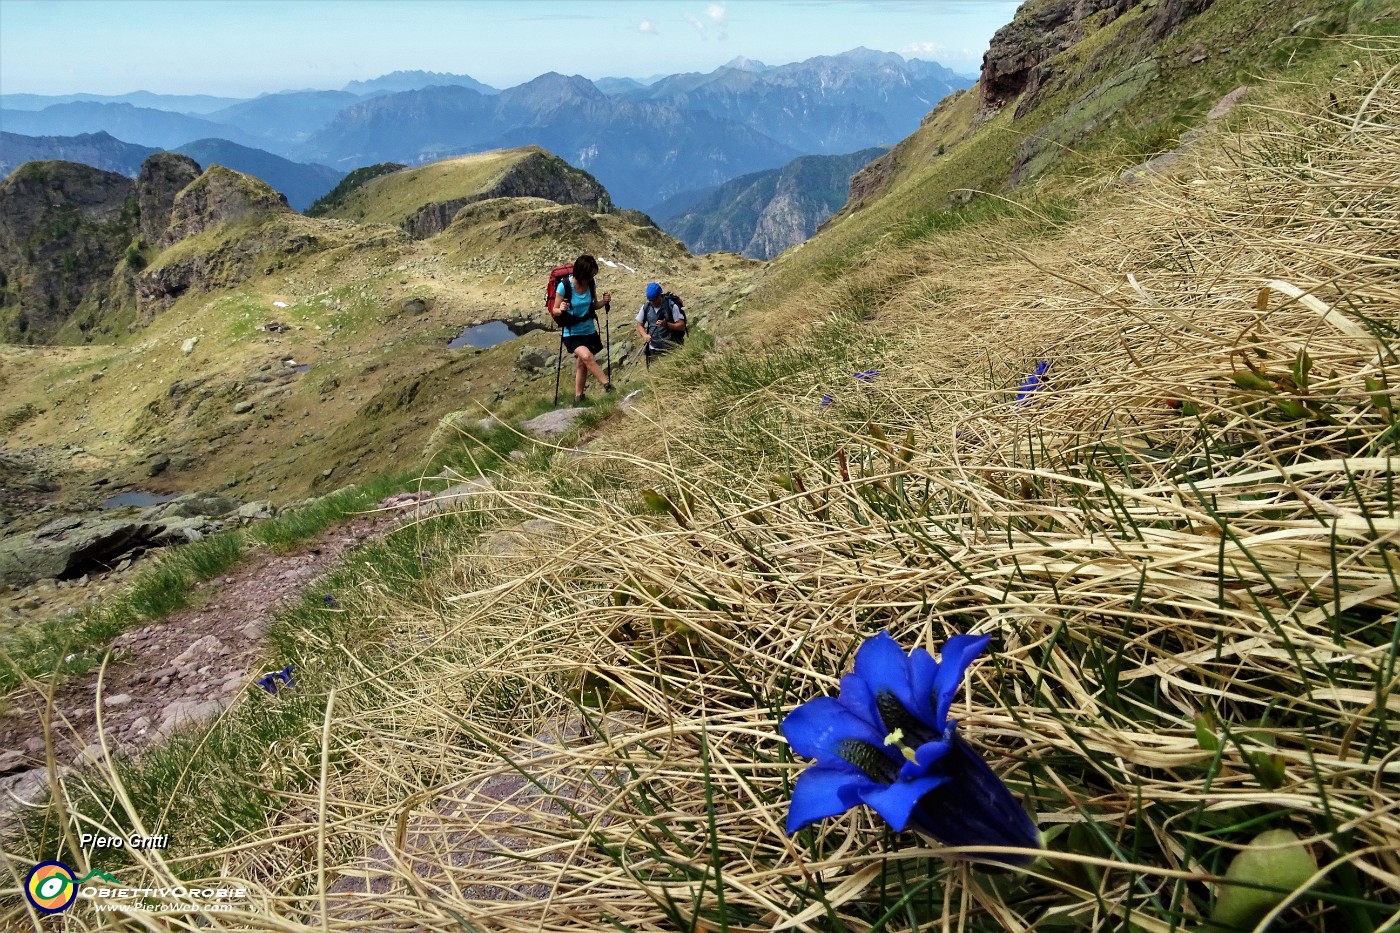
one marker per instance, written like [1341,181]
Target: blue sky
[239,48]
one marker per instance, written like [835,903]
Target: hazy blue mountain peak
[743,63]
[397,81]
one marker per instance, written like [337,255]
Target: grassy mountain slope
[360,176]
[394,198]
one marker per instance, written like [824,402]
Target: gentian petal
[895,802]
[958,654]
[974,807]
[857,697]
[822,792]
[883,665]
[926,757]
[923,671]
[816,727]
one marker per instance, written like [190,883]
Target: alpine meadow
[1011,543]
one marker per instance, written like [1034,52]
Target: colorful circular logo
[51,887]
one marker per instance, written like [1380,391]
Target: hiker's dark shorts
[592,341]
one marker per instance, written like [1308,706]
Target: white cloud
[713,25]
[647,26]
[933,51]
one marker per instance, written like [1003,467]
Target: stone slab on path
[553,423]
[475,837]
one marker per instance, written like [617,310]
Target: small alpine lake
[137,497]
[490,333]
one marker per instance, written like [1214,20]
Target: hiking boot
[608,387]
[580,399]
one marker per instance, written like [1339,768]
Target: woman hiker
[580,323]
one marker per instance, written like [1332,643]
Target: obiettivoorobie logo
[52,887]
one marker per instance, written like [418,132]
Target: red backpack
[556,275]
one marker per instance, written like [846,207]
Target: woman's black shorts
[592,341]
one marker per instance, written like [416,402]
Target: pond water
[138,497]
[489,334]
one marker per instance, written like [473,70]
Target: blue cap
[653,291]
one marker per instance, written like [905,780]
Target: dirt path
[181,669]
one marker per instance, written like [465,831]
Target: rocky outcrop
[764,213]
[72,238]
[163,176]
[538,175]
[1014,61]
[71,546]
[220,196]
[221,199]
[63,228]
[1017,61]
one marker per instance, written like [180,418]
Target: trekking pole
[558,368]
[608,327]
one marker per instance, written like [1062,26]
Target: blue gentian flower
[887,742]
[867,375]
[1032,382]
[826,400]
[269,681]
[330,601]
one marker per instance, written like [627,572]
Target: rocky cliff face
[1014,63]
[161,178]
[249,219]
[1017,61]
[538,175]
[220,196]
[63,228]
[75,240]
[764,213]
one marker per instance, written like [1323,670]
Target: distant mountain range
[181,103]
[98,150]
[644,140]
[301,183]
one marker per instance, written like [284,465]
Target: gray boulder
[193,504]
[71,546]
[553,423]
[533,359]
[181,530]
[258,511]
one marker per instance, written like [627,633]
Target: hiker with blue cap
[661,321]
